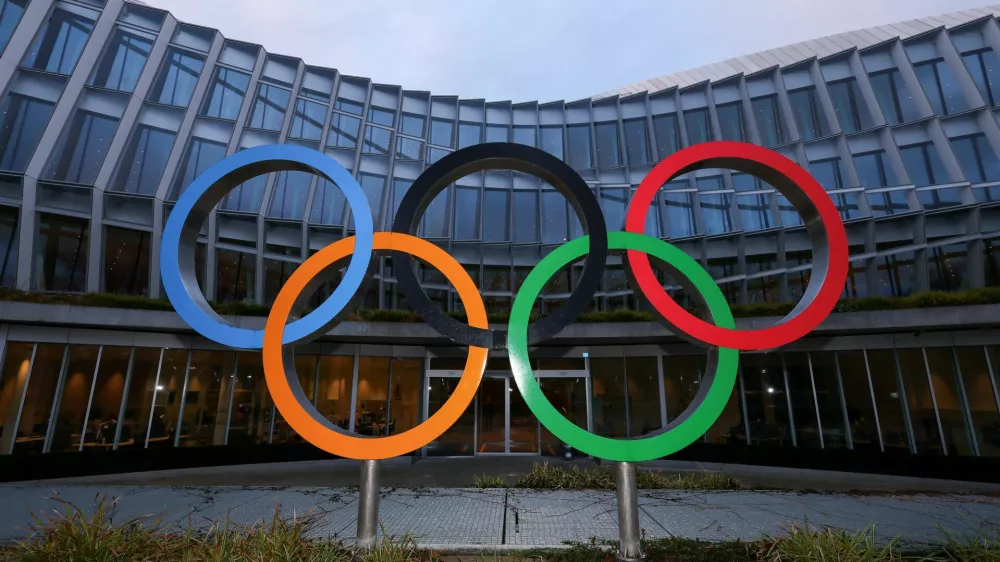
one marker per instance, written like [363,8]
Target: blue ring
[232,171]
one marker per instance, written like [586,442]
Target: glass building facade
[109,109]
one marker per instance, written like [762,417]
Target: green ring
[642,449]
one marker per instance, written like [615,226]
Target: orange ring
[306,420]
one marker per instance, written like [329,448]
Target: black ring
[501,156]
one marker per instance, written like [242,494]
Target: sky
[525,50]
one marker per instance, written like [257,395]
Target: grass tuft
[802,544]
[544,476]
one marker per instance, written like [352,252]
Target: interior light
[770,390]
[159,387]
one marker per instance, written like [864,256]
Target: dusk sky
[522,50]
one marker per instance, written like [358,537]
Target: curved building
[110,109]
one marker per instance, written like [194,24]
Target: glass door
[460,438]
[492,428]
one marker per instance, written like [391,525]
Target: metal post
[368,505]
[628,513]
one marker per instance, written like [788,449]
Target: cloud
[523,50]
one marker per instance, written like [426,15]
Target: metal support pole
[368,505]
[627,491]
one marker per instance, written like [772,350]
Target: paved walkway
[472,519]
[461,473]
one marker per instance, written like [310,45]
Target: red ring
[790,328]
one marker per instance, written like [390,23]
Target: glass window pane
[122,62]
[715,212]
[579,146]
[61,253]
[167,399]
[250,418]
[466,213]
[940,198]
[767,404]
[942,89]
[552,140]
[23,121]
[857,395]
[608,151]
[678,215]
[874,171]
[636,141]
[382,116]
[108,391]
[36,414]
[941,365]
[829,173]
[643,395]
[126,261]
[808,113]
[442,132]
[979,391]
[946,267]
[226,93]
[768,120]
[82,149]
[608,400]
[9,219]
[495,222]
[469,134]
[977,158]
[847,104]
[247,196]
[554,207]
[399,188]
[408,149]
[668,140]
[729,429]
[140,389]
[524,134]
[377,141]
[681,379]
[412,125]
[200,155]
[307,123]
[344,131]
[235,276]
[206,400]
[923,164]
[895,274]
[10,15]
[696,122]
[17,363]
[731,121]
[144,160]
[984,67]
[276,272]
[569,396]
[291,190]
[710,183]
[525,216]
[69,418]
[882,364]
[372,185]
[406,396]
[804,407]
[459,439]
[349,106]
[336,376]
[435,221]
[59,44]
[893,96]
[755,211]
[373,391]
[305,368]
[918,399]
[497,133]
[177,78]
[613,204]
[888,203]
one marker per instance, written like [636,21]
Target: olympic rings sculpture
[718,332]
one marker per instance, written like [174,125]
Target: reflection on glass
[491,436]
[469,134]
[525,216]
[552,139]
[716,215]
[523,424]
[767,404]
[140,389]
[10,15]
[668,139]
[942,89]
[882,363]
[344,131]
[226,94]
[755,211]
[643,395]
[608,401]
[307,122]
[82,148]
[377,141]
[200,155]
[848,103]
[731,121]
[35,417]
[941,365]
[980,393]
[800,394]
[61,253]
[524,134]
[696,122]
[636,141]
[768,119]
[442,132]
[578,143]
[976,157]
[105,408]
[167,399]
[918,398]
[569,396]
[126,261]
[412,125]
[893,96]
[21,126]
[250,417]
[729,428]
[831,407]
[177,78]
[608,149]
[497,133]
[495,222]
[333,399]
[207,396]
[407,377]
[235,276]
[328,203]
[678,215]
[857,395]
[946,267]
[895,274]
[371,411]
[59,44]
[291,190]
[681,380]
[923,164]
[984,68]
[16,365]
[459,439]
[122,62]
[807,112]
[305,369]
[72,410]
[144,160]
